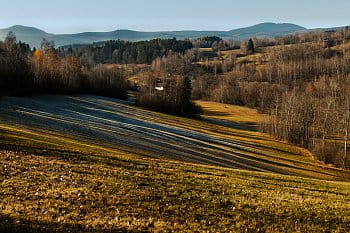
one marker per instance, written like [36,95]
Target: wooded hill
[300,80]
[34,36]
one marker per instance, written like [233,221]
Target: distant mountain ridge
[34,36]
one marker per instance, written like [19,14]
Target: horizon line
[168,30]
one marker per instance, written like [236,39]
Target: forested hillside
[301,81]
[126,52]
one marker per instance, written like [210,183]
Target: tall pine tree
[250,46]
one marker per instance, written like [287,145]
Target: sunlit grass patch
[104,194]
[230,112]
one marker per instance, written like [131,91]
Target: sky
[71,16]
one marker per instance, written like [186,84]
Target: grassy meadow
[93,186]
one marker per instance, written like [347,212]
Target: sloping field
[61,191]
[105,124]
[90,164]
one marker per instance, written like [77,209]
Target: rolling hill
[34,36]
[114,124]
[125,169]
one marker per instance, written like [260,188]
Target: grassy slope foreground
[99,183]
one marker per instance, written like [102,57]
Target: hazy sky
[68,16]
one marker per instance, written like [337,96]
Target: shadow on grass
[240,160]
[71,156]
[232,124]
[215,113]
[18,225]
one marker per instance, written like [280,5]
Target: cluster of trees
[216,43]
[177,63]
[331,37]
[106,81]
[168,86]
[285,66]
[46,71]
[15,69]
[207,41]
[312,111]
[167,93]
[53,74]
[126,52]
[231,88]
[316,117]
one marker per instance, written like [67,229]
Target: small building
[159,85]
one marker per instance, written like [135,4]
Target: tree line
[167,93]
[46,71]
[127,52]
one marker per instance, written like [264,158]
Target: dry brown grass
[228,112]
[91,186]
[61,191]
